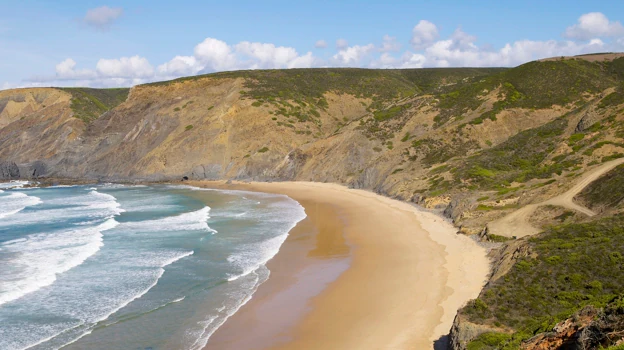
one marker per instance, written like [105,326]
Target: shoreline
[390,291]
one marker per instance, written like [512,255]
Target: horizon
[112,44]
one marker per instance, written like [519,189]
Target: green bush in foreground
[574,265]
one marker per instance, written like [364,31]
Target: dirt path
[517,223]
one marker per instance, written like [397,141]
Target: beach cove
[362,271]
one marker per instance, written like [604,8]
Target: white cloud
[102,17]
[594,25]
[215,55]
[320,44]
[423,34]
[179,66]
[267,55]
[341,44]
[208,56]
[125,67]
[389,44]
[460,49]
[352,56]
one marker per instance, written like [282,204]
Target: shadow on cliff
[442,343]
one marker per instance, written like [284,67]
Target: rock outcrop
[464,331]
[590,328]
[9,171]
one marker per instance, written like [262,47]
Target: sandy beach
[362,271]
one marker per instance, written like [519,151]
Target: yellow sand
[409,273]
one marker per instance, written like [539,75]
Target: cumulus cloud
[102,17]
[594,25]
[320,44]
[460,49]
[210,55]
[423,34]
[352,56]
[125,67]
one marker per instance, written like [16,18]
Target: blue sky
[115,43]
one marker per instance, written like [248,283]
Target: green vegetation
[519,159]
[437,151]
[573,266]
[607,191]
[497,238]
[263,149]
[489,340]
[524,87]
[89,104]
[388,113]
[188,127]
[613,99]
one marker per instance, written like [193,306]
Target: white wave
[13,184]
[252,256]
[16,202]
[207,332]
[94,205]
[39,258]
[178,300]
[191,221]
[90,323]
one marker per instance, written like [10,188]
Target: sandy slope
[517,223]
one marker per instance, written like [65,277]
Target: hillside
[477,143]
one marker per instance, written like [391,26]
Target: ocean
[112,266]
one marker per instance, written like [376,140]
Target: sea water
[131,267]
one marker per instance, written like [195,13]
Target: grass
[89,104]
[573,266]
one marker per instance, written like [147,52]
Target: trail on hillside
[517,223]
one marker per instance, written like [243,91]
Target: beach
[362,271]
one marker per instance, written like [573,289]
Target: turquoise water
[131,267]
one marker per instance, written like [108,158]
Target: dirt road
[517,223]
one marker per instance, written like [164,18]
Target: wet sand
[362,271]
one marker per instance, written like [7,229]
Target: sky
[124,43]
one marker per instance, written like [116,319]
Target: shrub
[188,127]
[263,149]
[570,266]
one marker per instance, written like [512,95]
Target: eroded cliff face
[201,129]
[398,133]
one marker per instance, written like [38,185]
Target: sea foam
[39,258]
[15,202]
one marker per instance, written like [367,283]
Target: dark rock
[9,171]
[456,208]
[38,169]
[588,120]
